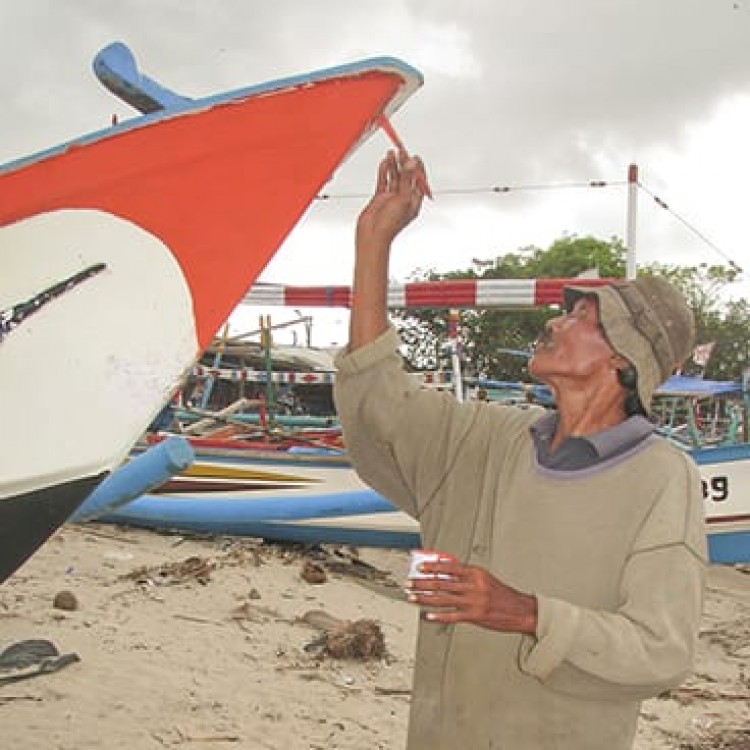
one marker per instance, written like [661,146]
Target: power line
[504,189]
[489,189]
[700,235]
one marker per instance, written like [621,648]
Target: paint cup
[419,556]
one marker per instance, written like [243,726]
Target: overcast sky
[540,92]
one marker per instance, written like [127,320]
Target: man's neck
[582,414]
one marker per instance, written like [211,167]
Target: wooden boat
[283,502]
[698,413]
[314,496]
[310,497]
[297,467]
[709,419]
[125,250]
[294,475]
[725,474]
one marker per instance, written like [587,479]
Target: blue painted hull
[729,548]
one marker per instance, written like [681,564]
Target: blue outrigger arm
[116,68]
[135,478]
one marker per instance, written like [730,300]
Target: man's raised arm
[397,201]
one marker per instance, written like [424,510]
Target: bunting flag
[434,377]
[702,353]
[249,375]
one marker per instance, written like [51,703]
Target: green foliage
[492,338]
[727,324]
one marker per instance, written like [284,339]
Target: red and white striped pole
[512,294]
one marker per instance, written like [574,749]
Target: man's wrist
[530,616]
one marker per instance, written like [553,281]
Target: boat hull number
[716,488]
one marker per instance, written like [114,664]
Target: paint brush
[389,130]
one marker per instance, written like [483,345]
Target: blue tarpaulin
[684,385]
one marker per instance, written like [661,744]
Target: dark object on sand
[313,572]
[31,658]
[344,639]
[65,600]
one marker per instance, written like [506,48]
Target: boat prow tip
[116,68]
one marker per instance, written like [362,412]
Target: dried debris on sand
[362,639]
[186,640]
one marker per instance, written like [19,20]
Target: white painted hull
[84,372]
[726,487]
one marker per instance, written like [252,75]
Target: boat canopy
[687,386]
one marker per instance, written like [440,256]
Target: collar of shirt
[583,452]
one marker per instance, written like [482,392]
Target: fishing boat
[296,491]
[126,249]
[318,499]
[709,420]
[298,485]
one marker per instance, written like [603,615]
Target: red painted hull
[221,186]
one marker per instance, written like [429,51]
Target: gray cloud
[515,92]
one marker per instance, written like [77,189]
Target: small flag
[702,352]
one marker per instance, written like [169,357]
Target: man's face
[573,345]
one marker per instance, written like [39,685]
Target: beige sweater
[615,556]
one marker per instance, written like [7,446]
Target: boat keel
[29,519]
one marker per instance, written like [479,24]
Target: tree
[493,340]
[731,353]
[725,324]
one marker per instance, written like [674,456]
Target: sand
[188,642]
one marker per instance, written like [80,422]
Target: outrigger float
[124,251]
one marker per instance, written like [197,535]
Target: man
[578,540]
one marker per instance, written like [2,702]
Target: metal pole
[455,340]
[630,269]
[266,342]
[208,385]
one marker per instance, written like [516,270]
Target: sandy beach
[186,642]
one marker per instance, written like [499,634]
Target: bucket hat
[648,322]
